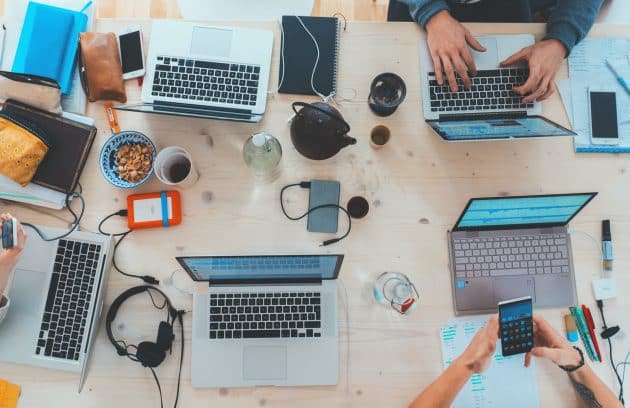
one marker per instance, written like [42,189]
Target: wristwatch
[570,368]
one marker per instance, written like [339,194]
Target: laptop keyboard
[265,315]
[490,90]
[207,81]
[513,255]
[68,302]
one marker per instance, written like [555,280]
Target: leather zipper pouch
[33,90]
[22,148]
[100,68]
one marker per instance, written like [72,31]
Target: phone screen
[131,52]
[604,115]
[516,326]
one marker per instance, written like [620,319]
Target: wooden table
[417,186]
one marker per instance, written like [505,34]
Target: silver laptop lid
[262,268]
[521,212]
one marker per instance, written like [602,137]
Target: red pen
[591,330]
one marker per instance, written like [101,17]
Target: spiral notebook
[299,55]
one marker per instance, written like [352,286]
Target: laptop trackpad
[265,363]
[513,287]
[211,42]
[489,58]
[27,288]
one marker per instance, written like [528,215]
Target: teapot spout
[347,141]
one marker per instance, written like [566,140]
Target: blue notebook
[49,42]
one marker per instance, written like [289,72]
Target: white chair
[237,10]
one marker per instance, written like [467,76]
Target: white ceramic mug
[174,167]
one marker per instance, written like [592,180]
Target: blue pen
[620,79]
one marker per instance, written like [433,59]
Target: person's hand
[544,59]
[479,352]
[10,256]
[448,42]
[550,344]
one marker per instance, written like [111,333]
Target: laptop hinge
[489,115]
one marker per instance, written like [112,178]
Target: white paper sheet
[497,386]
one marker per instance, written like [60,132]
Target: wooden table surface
[417,186]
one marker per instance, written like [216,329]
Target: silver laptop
[490,109]
[264,320]
[56,300]
[508,247]
[206,71]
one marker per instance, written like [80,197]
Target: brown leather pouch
[101,72]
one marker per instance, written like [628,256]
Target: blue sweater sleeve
[570,20]
[422,10]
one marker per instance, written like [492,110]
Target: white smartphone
[603,114]
[131,53]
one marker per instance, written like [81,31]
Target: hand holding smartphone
[131,53]
[516,326]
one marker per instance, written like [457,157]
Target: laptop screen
[271,268]
[515,212]
[497,128]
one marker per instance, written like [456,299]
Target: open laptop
[508,247]
[206,71]
[56,300]
[490,110]
[264,320]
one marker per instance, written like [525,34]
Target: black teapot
[318,130]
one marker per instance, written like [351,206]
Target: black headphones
[149,354]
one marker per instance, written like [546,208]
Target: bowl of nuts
[126,159]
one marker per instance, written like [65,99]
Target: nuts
[133,161]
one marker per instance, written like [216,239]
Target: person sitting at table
[548,344]
[8,259]
[448,40]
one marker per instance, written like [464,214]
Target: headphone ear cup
[150,354]
[165,336]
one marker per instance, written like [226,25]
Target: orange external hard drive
[151,210]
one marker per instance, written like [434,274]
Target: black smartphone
[516,325]
[603,107]
[323,219]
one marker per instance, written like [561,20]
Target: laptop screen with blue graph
[514,212]
[497,128]
[264,268]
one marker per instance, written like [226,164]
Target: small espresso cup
[379,136]
[174,167]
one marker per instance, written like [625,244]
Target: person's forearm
[422,10]
[5,272]
[443,391]
[592,390]
[570,20]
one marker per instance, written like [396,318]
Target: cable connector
[122,213]
[305,184]
[150,280]
[330,241]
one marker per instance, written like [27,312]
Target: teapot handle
[331,115]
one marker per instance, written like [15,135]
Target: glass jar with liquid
[262,153]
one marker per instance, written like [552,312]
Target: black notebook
[70,144]
[300,53]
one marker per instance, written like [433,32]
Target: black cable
[76,217]
[620,380]
[158,385]
[123,213]
[181,356]
[307,184]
